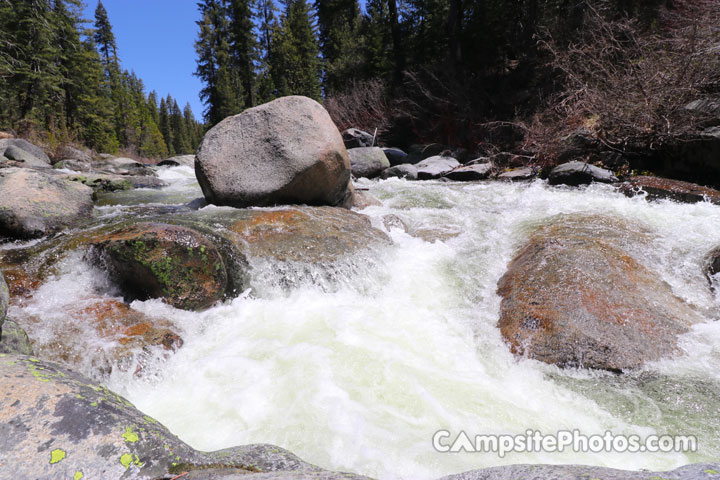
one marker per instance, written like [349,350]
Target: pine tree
[105,38]
[341,44]
[243,46]
[192,127]
[165,128]
[181,143]
[266,90]
[378,40]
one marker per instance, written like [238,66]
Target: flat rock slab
[56,423]
[34,203]
[435,167]
[574,296]
[478,171]
[705,471]
[658,188]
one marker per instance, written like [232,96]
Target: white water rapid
[360,376]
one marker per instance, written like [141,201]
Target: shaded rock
[179,160]
[21,158]
[34,204]
[306,234]
[404,170]
[664,188]
[56,423]
[435,167]
[578,472]
[286,151]
[367,162]
[580,173]
[72,153]
[363,199]
[13,339]
[74,165]
[712,264]
[395,156]
[4,298]
[33,150]
[691,157]
[477,171]
[356,138]
[153,260]
[519,174]
[574,296]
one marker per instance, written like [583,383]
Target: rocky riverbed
[350,330]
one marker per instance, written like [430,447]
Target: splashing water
[358,378]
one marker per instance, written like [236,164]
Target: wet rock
[33,150]
[575,296]
[283,152]
[105,182]
[705,471]
[518,175]
[179,160]
[356,138]
[394,222]
[4,298]
[712,264]
[477,171]
[435,167]
[367,162]
[363,199]
[664,188]
[19,157]
[56,423]
[13,339]
[580,173]
[34,203]
[395,156]
[174,263]
[305,234]
[405,170]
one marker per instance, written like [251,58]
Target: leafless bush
[630,85]
[362,105]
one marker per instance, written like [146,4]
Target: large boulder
[580,173]
[367,162]
[283,152]
[356,138]
[171,262]
[656,188]
[435,167]
[16,156]
[34,150]
[58,424]
[575,296]
[34,203]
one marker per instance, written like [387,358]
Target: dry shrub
[362,105]
[631,84]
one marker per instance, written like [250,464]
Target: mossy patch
[57,456]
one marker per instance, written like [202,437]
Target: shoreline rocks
[657,188]
[287,151]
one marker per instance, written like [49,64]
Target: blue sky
[155,39]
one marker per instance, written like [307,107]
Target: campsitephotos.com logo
[565,440]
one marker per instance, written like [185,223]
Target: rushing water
[358,377]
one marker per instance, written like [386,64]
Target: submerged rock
[34,203]
[573,296]
[580,173]
[665,188]
[284,152]
[367,162]
[705,471]
[362,199]
[435,167]
[13,339]
[154,260]
[57,423]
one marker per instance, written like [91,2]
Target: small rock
[34,203]
[13,339]
[283,152]
[174,263]
[712,265]
[355,138]
[664,188]
[435,167]
[580,173]
[367,162]
[477,171]
[180,160]
[4,298]
[395,156]
[362,199]
[519,174]
[404,170]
